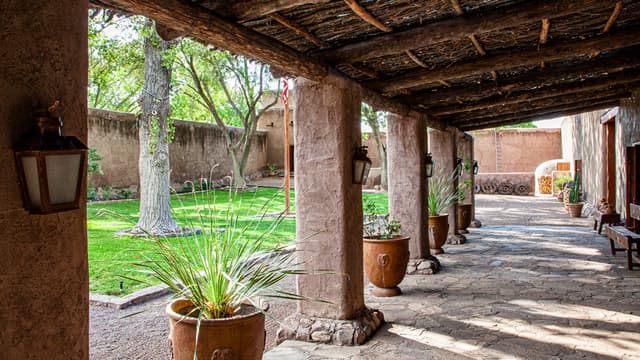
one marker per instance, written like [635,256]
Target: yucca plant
[442,193]
[217,269]
[574,190]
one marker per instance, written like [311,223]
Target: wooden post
[287,165]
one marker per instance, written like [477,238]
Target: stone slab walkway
[549,290]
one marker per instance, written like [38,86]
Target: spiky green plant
[574,190]
[442,193]
[218,269]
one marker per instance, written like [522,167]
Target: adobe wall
[587,144]
[515,150]
[44,283]
[196,148]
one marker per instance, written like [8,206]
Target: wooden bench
[627,239]
[600,218]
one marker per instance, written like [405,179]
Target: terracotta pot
[438,232]
[575,210]
[385,262]
[237,337]
[464,217]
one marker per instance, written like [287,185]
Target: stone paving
[532,283]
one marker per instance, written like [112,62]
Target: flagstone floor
[532,283]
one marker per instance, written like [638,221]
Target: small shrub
[107,191]
[561,181]
[91,192]
[125,193]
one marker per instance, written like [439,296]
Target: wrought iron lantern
[50,166]
[361,165]
[476,167]
[428,165]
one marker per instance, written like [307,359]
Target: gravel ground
[141,331]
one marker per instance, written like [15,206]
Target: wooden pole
[287,165]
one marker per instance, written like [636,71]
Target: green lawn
[110,256]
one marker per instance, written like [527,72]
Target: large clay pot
[385,262]
[464,217]
[574,210]
[438,232]
[237,337]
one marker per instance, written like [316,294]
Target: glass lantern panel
[62,175]
[365,172]
[30,168]
[358,167]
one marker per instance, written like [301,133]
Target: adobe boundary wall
[194,152]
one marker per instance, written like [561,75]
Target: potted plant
[464,210]
[441,197]
[560,182]
[271,169]
[386,252]
[574,205]
[216,277]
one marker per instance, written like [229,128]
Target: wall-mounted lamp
[361,165]
[50,166]
[476,167]
[428,165]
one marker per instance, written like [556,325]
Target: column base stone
[350,332]
[427,266]
[457,239]
[475,223]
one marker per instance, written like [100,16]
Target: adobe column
[329,216]
[442,144]
[464,144]
[406,149]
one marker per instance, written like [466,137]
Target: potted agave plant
[216,277]
[386,252]
[574,205]
[441,197]
[464,210]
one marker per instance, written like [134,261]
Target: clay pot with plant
[271,169]
[574,205]
[216,278]
[385,251]
[441,196]
[464,210]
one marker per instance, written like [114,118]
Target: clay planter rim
[379,238]
[439,215]
[182,303]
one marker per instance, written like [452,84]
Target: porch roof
[471,64]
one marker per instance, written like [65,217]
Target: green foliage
[526,125]
[94,159]
[91,192]
[441,192]
[107,191]
[574,190]
[216,270]
[271,168]
[111,257]
[561,180]
[378,225]
[125,193]
[116,61]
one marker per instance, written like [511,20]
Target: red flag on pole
[285,91]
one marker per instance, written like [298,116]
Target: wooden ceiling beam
[529,57]
[617,79]
[458,28]
[550,114]
[537,107]
[365,15]
[597,67]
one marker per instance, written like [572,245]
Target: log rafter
[367,16]
[527,57]
[624,78]
[537,106]
[597,67]
[549,113]
[457,28]
[299,29]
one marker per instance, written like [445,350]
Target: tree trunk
[382,154]
[154,168]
